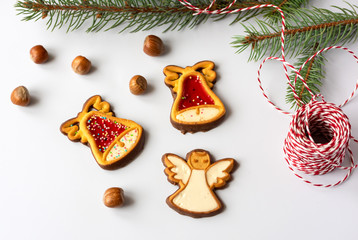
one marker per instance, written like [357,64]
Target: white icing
[181,168]
[196,196]
[201,115]
[124,146]
[216,171]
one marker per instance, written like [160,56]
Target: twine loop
[320,133]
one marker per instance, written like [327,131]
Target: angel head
[199,160]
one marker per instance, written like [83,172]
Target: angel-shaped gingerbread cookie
[195,107]
[113,141]
[196,178]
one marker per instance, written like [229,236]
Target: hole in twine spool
[320,131]
[318,138]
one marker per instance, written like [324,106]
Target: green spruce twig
[270,14]
[312,73]
[304,29]
[135,15]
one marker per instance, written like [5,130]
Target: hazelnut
[81,65]
[113,197]
[38,54]
[20,96]
[137,85]
[153,46]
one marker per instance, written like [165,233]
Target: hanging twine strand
[320,132]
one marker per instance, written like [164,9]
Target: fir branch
[269,14]
[312,73]
[305,28]
[135,15]
[272,16]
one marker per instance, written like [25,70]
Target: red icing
[194,93]
[104,131]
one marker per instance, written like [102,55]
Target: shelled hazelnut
[81,65]
[20,96]
[113,197]
[153,46]
[38,54]
[137,85]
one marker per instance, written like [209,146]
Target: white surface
[51,188]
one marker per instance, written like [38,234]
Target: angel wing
[177,170]
[218,173]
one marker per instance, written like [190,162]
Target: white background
[52,188]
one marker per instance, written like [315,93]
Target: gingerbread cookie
[197,178]
[195,107]
[113,141]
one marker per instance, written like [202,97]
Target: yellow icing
[202,114]
[123,146]
[197,196]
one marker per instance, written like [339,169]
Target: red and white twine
[320,132]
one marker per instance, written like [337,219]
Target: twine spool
[318,140]
[320,132]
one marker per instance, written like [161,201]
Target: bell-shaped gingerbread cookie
[113,141]
[195,107]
